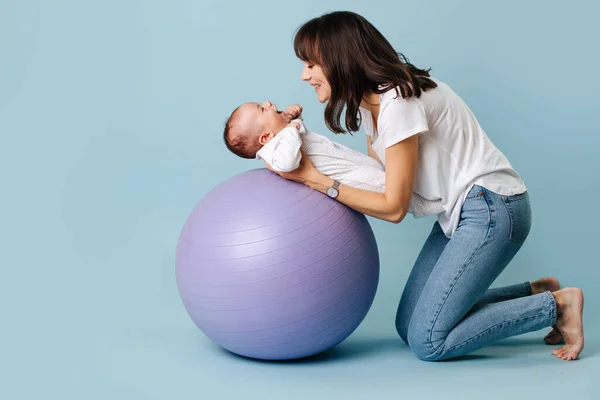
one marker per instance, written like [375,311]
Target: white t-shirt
[454,151]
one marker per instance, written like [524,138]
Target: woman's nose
[304,75]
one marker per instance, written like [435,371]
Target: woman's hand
[305,173]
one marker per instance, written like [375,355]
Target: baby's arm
[282,153]
[294,111]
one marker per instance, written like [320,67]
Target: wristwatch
[333,190]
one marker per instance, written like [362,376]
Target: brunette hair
[356,58]
[237,138]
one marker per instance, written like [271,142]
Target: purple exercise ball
[270,269]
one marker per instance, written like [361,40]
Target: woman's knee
[402,328]
[403,317]
[419,341]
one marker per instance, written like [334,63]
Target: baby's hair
[237,140]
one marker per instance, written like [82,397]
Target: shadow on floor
[356,348]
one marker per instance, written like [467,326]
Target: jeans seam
[515,197]
[467,264]
[551,315]
[511,219]
[491,209]
[476,195]
[507,200]
[492,327]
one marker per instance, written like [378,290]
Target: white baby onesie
[336,161]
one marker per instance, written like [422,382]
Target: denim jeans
[447,309]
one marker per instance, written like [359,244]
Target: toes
[560,352]
[557,352]
[566,354]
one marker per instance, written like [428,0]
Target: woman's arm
[392,206]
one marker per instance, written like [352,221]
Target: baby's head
[251,126]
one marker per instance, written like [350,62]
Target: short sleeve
[401,118]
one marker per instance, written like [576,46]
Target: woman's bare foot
[545,284]
[569,322]
[540,286]
[554,337]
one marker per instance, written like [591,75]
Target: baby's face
[263,117]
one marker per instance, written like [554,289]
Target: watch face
[332,192]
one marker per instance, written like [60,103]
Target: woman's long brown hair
[356,59]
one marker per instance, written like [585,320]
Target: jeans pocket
[476,210]
[519,211]
[476,191]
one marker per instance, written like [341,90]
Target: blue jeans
[447,309]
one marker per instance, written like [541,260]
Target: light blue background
[111,117]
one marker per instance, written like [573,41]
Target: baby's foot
[569,322]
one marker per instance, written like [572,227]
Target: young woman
[431,144]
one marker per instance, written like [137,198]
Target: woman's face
[313,74]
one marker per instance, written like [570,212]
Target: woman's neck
[370,101]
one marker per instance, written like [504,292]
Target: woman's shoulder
[392,101]
[439,97]
[394,93]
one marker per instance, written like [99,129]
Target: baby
[260,131]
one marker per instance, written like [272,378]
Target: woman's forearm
[370,203]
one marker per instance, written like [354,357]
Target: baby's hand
[294,111]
